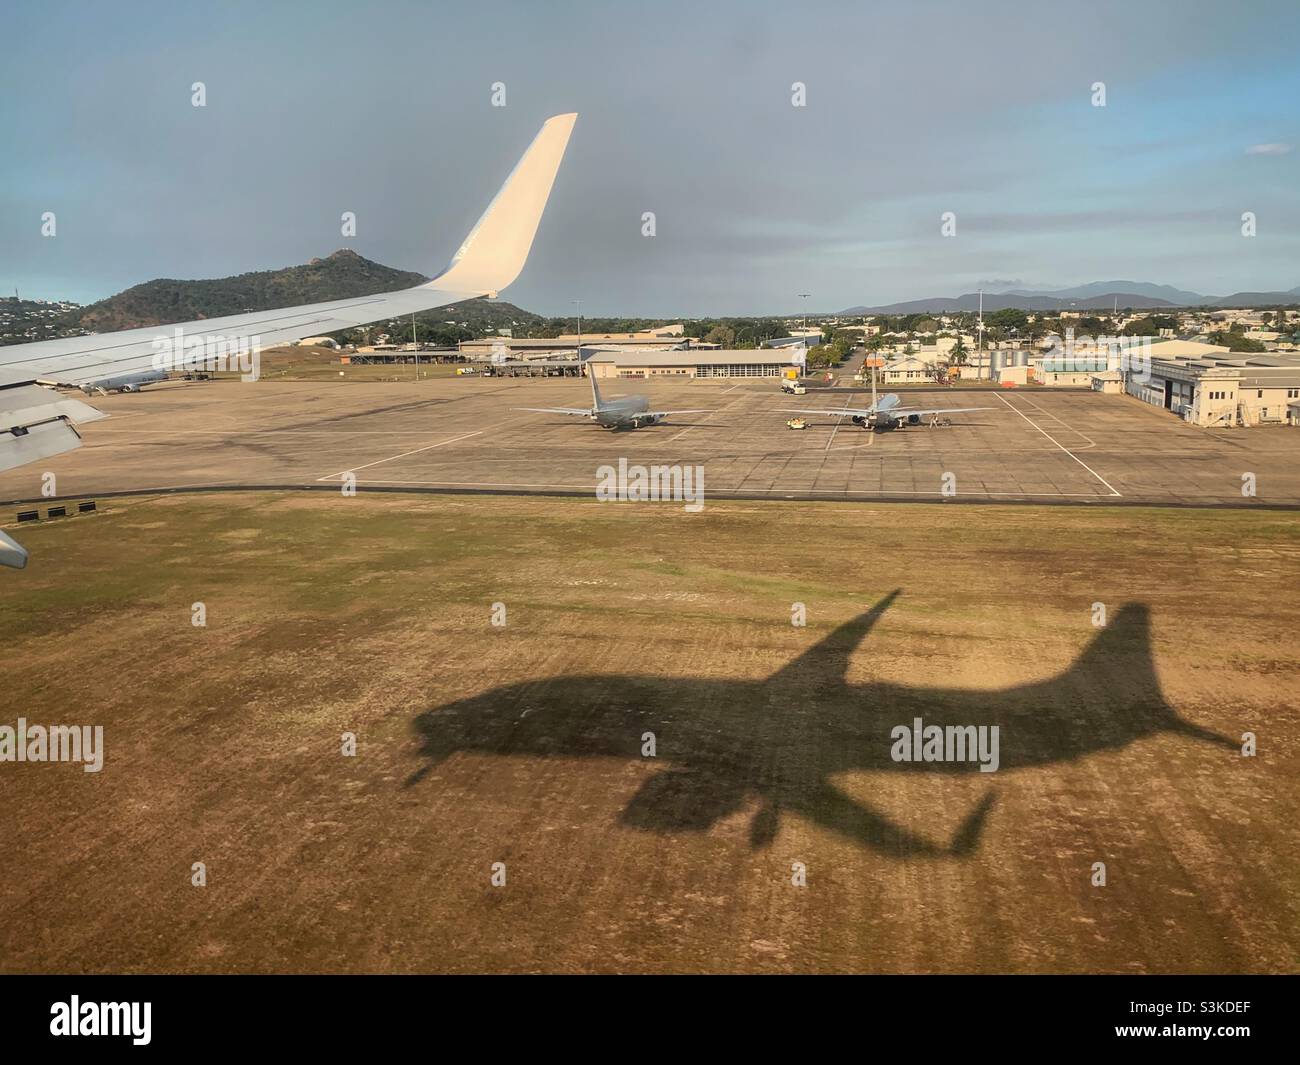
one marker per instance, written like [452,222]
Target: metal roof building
[757,362]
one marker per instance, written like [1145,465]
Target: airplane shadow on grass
[781,739]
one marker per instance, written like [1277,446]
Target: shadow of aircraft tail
[1117,670]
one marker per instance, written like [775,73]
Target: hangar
[1228,389]
[757,362]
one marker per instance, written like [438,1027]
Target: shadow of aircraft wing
[829,807]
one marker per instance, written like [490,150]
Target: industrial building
[687,363]
[499,347]
[1077,363]
[1222,389]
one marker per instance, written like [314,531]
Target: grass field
[312,363]
[522,744]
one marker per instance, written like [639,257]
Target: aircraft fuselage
[625,412]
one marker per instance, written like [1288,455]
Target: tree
[1235,341]
[1008,318]
[821,357]
[959,352]
[721,334]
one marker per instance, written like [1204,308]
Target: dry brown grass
[370,615]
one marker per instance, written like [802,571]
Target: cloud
[1268,149]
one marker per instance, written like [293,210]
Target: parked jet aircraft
[782,744]
[129,382]
[621,412]
[36,422]
[884,413]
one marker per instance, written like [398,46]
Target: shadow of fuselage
[781,739]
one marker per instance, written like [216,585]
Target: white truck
[794,388]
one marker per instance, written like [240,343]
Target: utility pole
[415,346]
[979,342]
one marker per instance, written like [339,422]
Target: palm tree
[958,353]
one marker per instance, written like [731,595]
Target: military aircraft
[620,412]
[128,382]
[36,422]
[884,413]
[775,746]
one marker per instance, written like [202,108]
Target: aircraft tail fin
[1118,666]
[1121,656]
[596,401]
[497,247]
[827,661]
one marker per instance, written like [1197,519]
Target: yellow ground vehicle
[796,423]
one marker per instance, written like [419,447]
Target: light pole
[804,296]
[578,304]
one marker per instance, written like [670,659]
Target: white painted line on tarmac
[390,458]
[1113,490]
[705,420]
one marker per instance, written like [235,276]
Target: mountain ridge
[1096,295]
[343,274]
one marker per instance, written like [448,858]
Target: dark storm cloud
[912,110]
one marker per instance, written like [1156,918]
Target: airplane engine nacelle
[858,420]
[130,388]
[913,419]
[648,420]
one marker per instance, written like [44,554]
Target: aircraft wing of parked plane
[36,422]
[871,412]
[587,412]
[884,412]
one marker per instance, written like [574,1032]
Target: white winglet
[495,251]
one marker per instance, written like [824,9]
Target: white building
[910,369]
[1222,389]
[688,363]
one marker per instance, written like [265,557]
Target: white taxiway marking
[1047,413]
[704,421]
[390,458]
[1113,490]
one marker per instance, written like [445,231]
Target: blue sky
[913,109]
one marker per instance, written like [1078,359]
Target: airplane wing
[862,412]
[36,422]
[867,412]
[585,413]
[935,410]
[665,413]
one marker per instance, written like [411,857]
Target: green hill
[339,276]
